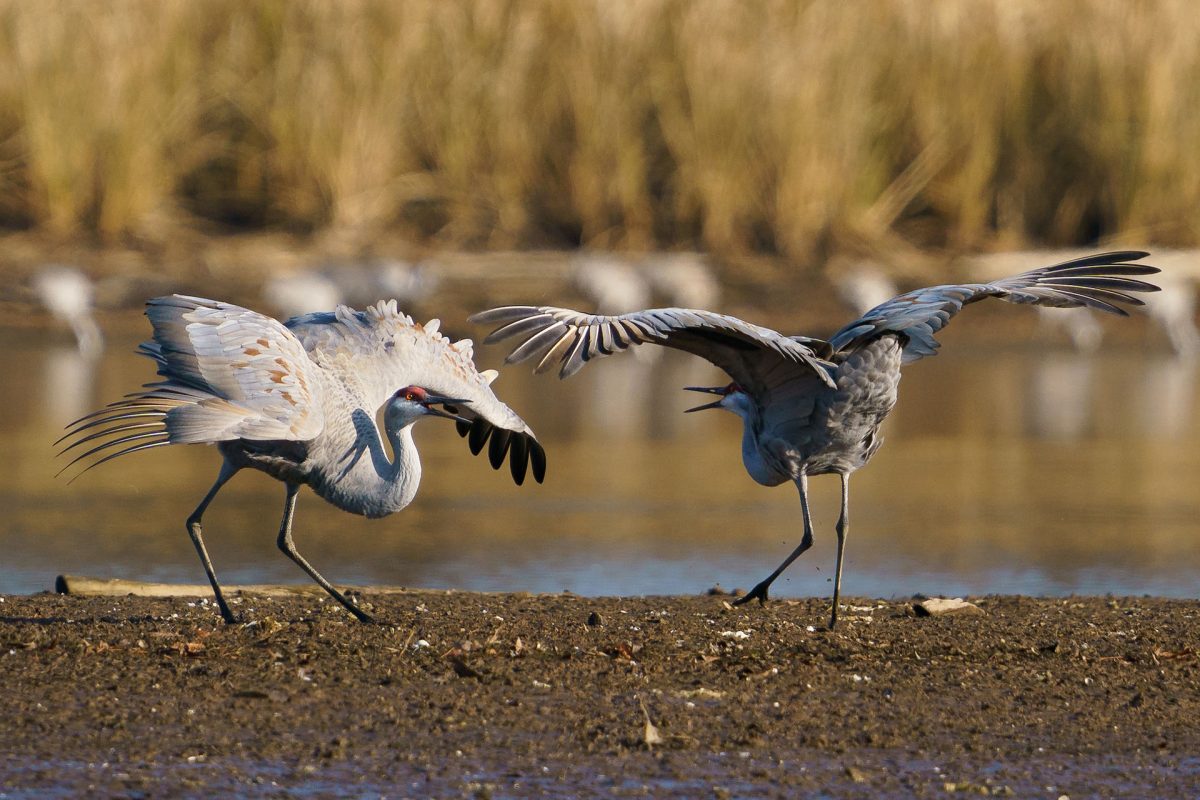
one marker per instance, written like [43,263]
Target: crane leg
[193,528]
[759,592]
[843,525]
[289,550]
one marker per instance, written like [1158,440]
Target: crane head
[413,402]
[725,393]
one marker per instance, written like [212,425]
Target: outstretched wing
[258,381]
[756,358]
[377,351]
[1098,281]
[227,373]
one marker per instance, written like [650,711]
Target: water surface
[1013,470]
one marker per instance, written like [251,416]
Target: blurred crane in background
[1172,310]
[309,290]
[68,294]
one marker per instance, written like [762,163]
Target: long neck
[752,456]
[365,481]
[400,477]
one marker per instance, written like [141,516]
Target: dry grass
[792,127]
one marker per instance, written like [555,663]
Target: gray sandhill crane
[809,406]
[298,400]
[309,290]
[864,286]
[611,282]
[68,294]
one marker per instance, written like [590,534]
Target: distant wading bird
[298,400]
[809,406]
[68,294]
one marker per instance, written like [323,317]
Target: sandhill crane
[809,406]
[1172,310]
[864,286]
[68,294]
[298,400]
[683,279]
[309,290]
[611,282]
[303,292]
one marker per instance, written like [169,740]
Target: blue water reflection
[1038,471]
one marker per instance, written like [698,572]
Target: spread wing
[377,351]
[1100,281]
[754,357]
[227,373]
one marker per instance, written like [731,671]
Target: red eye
[413,394]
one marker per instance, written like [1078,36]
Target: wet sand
[473,695]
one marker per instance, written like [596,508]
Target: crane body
[298,401]
[809,406]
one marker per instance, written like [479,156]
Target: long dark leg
[193,528]
[759,592]
[289,550]
[843,525]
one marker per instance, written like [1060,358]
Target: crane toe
[758,593]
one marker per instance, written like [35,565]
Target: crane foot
[353,608]
[757,593]
[227,615]
[362,616]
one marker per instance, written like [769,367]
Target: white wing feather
[230,373]
[380,350]
[259,382]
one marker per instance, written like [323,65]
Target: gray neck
[365,481]
[760,468]
[400,477]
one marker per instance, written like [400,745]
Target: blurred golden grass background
[792,128]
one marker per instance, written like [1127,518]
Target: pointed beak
[450,412]
[708,390]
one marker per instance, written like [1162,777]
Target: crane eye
[413,394]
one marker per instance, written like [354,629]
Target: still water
[1015,470]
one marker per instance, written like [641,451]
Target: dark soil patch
[514,695]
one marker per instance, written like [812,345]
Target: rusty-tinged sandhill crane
[298,400]
[809,406]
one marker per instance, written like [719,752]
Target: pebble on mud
[938,606]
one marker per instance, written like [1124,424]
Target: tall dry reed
[786,126]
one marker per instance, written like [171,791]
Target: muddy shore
[473,695]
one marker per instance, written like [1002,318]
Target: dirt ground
[490,696]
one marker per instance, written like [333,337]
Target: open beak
[709,390]
[450,412]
